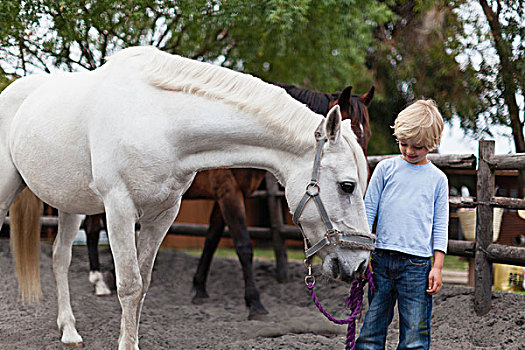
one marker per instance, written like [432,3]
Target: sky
[454,140]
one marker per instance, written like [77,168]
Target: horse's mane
[271,104]
[318,102]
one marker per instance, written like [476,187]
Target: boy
[410,196]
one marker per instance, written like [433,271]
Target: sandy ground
[170,321]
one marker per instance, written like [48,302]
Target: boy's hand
[434,281]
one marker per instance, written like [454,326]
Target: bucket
[508,278]
[467,220]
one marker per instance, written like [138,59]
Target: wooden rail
[442,161]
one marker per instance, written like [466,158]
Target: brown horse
[229,187]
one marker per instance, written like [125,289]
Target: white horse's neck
[233,138]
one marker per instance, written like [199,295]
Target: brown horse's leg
[213,236]
[93,226]
[276,221]
[233,211]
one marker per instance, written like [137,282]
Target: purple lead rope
[354,302]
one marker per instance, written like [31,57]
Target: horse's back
[13,96]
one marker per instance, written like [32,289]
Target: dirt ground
[170,321]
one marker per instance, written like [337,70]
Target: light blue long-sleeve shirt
[411,202]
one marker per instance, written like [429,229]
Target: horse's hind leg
[68,225]
[213,236]
[92,226]
[234,213]
[276,219]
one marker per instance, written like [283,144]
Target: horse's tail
[25,244]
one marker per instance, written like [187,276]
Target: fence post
[484,228]
[276,224]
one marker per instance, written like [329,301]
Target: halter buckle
[333,237]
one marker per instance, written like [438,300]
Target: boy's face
[413,153]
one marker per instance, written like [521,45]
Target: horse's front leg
[152,232]
[121,217]
[68,225]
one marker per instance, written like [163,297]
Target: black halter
[356,240]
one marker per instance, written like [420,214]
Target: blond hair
[420,123]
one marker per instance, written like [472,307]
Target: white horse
[129,137]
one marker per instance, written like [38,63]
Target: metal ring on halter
[315,186]
[309,278]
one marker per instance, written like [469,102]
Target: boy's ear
[333,124]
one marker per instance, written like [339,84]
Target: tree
[317,44]
[500,39]
[507,28]
[414,57]
[407,48]
[471,64]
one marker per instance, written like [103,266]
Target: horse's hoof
[282,280]
[74,345]
[259,316]
[102,291]
[200,297]
[282,277]
[199,300]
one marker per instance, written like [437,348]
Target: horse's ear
[367,98]
[333,124]
[344,99]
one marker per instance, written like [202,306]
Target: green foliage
[478,40]
[275,40]
[415,56]
[4,82]
[332,36]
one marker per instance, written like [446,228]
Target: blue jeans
[402,278]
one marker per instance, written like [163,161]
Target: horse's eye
[347,186]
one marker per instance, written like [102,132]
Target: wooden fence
[482,250]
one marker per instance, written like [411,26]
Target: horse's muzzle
[340,273]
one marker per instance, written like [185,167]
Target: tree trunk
[504,50]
